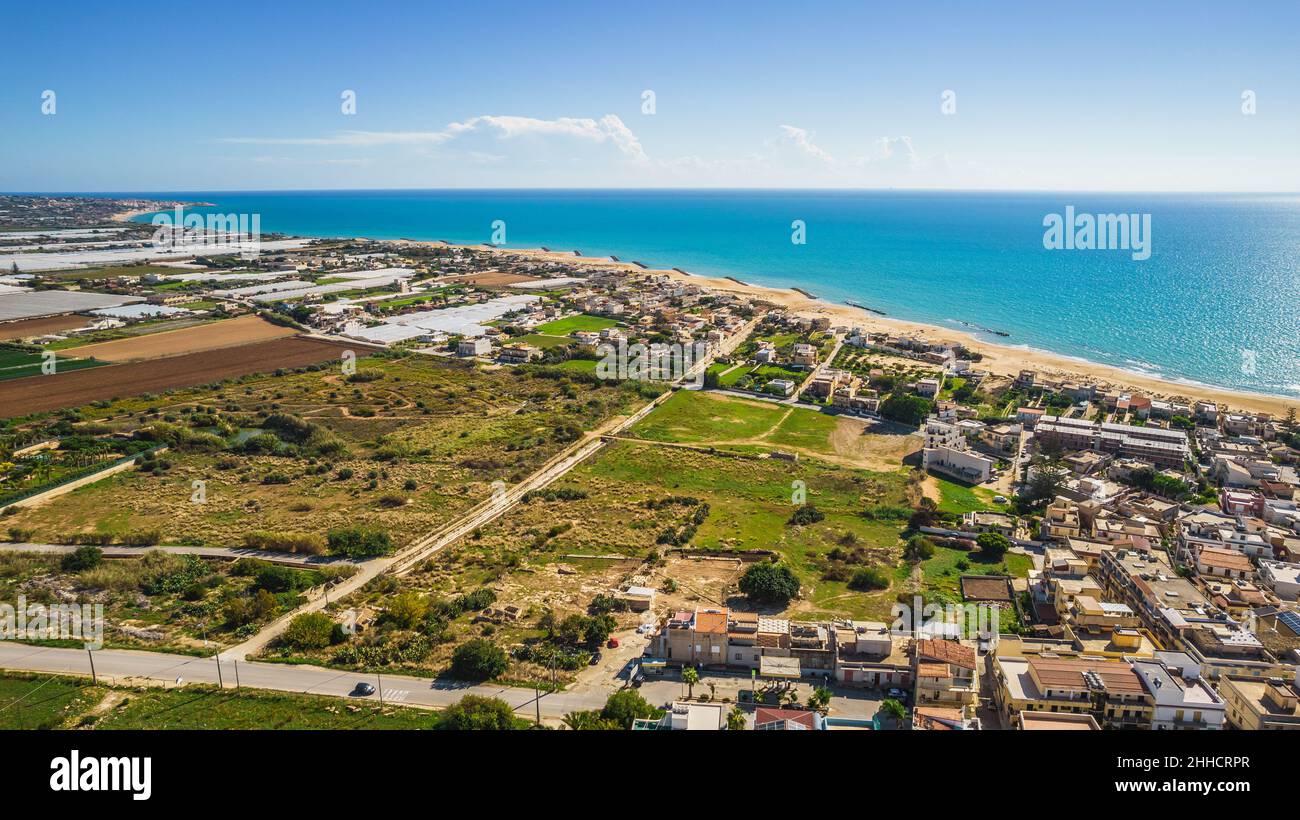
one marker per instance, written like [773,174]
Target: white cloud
[802,139]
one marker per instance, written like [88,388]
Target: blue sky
[1102,96]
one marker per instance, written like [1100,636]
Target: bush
[310,630]
[918,548]
[475,712]
[82,559]
[866,579]
[295,542]
[767,582]
[807,514]
[626,706]
[359,542]
[479,659]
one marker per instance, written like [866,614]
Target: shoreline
[999,359]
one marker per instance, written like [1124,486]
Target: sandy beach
[998,359]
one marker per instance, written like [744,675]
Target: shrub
[82,559]
[304,542]
[479,659]
[310,630]
[866,579]
[807,514]
[475,712]
[767,582]
[359,542]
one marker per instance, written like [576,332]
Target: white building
[1282,578]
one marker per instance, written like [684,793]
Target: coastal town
[604,496]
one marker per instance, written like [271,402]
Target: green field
[32,701]
[697,416]
[16,364]
[941,574]
[570,324]
[543,341]
[962,498]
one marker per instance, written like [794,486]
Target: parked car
[595,658]
[613,643]
[363,689]
[897,694]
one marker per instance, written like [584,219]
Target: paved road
[232,553]
[130,667]
[120,666]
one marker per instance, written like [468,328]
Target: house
[986,521]
[1223,563]
[518,353]
[767,719]
[1061,520]
[1283,578]
[804,355]
[868,654]
[696,638]
[1029,416]
[962,464]
[780,387]
[945,673]
[928,388]
[473,347]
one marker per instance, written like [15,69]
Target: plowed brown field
[229,333]
[35,394]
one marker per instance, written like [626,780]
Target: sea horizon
[971,261]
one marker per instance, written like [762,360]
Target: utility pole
[220,683]
[236,673]
[380,678]
[93,678]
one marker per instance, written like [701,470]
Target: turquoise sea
[1217,302]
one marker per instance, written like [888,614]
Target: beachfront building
[1164,448]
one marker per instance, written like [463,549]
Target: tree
[627,705]
[766,582]
[690,677]
[406,610]
[479,659]
[1048,475]
[891,708]
[310,630]
[918,548]
[82,558]
[820,699]
[736,720]
[475,712]
[906,408]
[993,545]
[588,720]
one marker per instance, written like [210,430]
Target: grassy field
[962,498]
[941,574]
[419,442]
[31,701]
[692,416]
[543,341]
[17,364]
[570,324]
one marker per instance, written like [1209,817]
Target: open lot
[570,324]
[212,336]
[404,446]
[38,394]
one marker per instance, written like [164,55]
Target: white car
[999,499]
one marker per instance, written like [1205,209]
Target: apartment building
[1108,690]
[1159,446]
[1181,699]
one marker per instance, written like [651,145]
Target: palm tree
[690,677]
[736,719]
